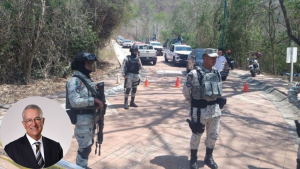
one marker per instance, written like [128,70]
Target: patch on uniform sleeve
[190,77]
[189,80]
[298,84]
[78,86]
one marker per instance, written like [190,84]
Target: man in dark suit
[34,150]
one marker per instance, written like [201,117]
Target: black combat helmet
[83,56]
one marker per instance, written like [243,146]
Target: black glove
[297,127]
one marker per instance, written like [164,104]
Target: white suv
[178,54]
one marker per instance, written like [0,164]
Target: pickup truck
[147,53]
[158,47]
[178,54]
[127,43]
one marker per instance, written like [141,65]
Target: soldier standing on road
[130,71]
[81,99]
[293,98]
[203,90]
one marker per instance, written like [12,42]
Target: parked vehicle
[178,54]
[120,40]
[127,43]
[254,67]
[147,53]
[194,58]
[158,47]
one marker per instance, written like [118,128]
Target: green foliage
[42,40]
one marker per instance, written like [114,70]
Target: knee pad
[134,90]
[85,153]
[127,90]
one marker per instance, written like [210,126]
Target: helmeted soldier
[130,70]
[79,98]
[203,90]
[293,98]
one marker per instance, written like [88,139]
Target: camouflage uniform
[210,116]
[293,98]
[197,94]
[130,68]
[80,98]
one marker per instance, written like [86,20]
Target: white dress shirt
[220,62]
[33,146]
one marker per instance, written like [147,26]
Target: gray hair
[33,106]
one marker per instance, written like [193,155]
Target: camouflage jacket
[192,82]
[124,65]
[78,95]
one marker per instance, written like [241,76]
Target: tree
[290,32]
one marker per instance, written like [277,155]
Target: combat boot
[193,161]
[298,163]
[126,103]
[132,104]
[208,160]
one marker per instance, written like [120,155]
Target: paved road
[254,131]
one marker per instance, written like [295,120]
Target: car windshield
[127,41]
[145,47]
[156,44]
[183,48]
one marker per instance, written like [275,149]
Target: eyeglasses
[36,120]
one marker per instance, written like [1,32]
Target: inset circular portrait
[36,132]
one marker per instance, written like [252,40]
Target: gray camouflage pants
[131,82]
[298,153]
[84,133]
[212,132]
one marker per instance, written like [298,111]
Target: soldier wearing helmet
[81,100]
[130,71]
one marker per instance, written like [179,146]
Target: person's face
[220,52]
[33,123]
[89,65]
[135,52]
[209,61]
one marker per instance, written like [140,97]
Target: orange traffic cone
[177,83]
[246,87]
[146,82]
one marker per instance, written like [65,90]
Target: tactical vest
[210,86]
[132,65]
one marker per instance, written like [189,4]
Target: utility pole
[135,30]
[153,27]
[224,23]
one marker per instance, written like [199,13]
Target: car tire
[166,59]
[154,62]
[174,63]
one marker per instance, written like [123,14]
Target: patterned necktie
[39,157]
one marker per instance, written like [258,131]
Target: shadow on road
[253,167]
[169,162]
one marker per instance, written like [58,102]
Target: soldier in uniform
[293,98]
[130,71]
[81,99]
[203,90]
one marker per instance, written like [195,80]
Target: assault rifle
[101,113]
